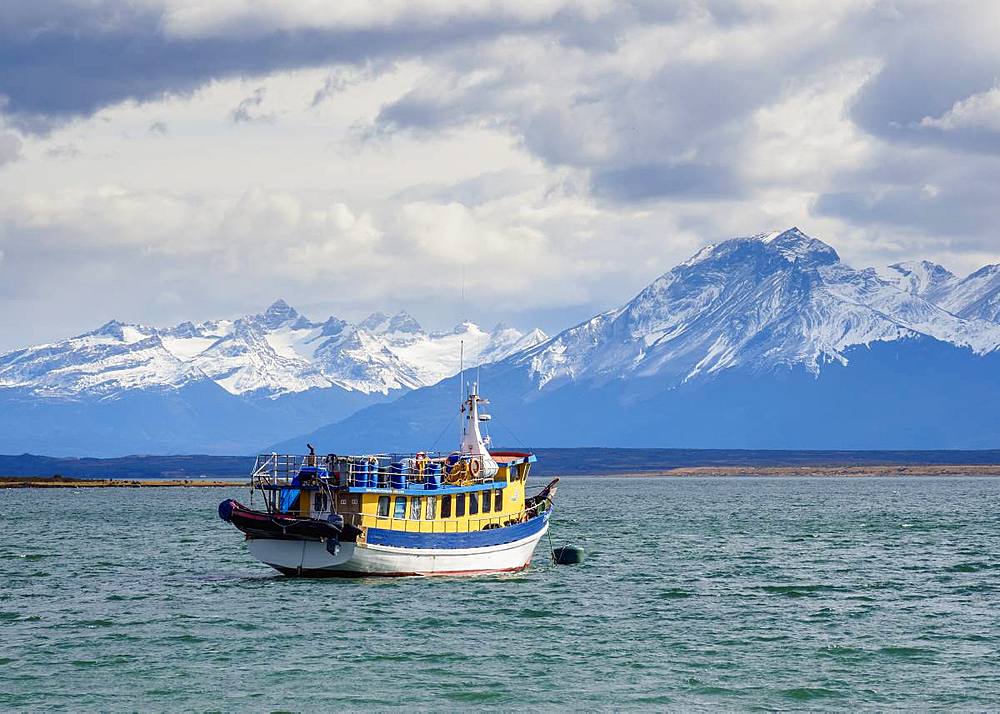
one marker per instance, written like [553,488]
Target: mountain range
[767,341]
[225,385]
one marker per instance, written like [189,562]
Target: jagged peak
[920,277]
[984,272]
[184,329]
[332,326]
[797,247]
[791,244]
[121,331]
[911,265]
[280,313]
[402,321]
[111,328]
[373,321]
[280,306]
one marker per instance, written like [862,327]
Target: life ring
[475,467]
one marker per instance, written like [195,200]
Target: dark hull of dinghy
[259,524]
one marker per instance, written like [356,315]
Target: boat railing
[423,471]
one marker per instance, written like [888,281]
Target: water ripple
[696,595]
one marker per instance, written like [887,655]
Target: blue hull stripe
[475,539]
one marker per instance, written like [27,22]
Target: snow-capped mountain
[765,341]
[921,277]
[223,386]
[974,297]
[111,359]
[270,354]
[757,302]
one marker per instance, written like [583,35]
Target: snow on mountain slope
[921,278]
[246,362]
[756,302]
[505,341]
[438,355]
[358,359]
[109,360]
[976,296]
[271,354]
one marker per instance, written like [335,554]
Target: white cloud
[979,111]
[563,153]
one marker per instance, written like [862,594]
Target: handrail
[279,470]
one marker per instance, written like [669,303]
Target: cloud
[600,141]
[64,59]
[10,147]
[979,111]
[249,109]
[64,151]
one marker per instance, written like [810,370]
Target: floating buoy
[568,555]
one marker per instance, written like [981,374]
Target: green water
[697,594]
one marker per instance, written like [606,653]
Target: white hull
[309,557]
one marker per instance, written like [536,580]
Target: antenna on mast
[461,348]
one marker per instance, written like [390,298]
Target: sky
[165,160]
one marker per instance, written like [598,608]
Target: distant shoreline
[817,471]
[68,482]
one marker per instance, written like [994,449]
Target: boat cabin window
[486,501]
[383,506]
[430,508]
[446,506]
[459,505]
[498,500]
[399,507]
[414,509]
[473,503]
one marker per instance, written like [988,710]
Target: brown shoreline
[68,482]
[818,471]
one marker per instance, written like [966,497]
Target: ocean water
[697,594]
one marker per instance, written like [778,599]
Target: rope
[552,551]
[446,428]
[516,438]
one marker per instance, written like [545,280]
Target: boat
[462,513]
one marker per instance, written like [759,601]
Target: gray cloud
[10,147]
[248,109]
[63,59]
[653,181]
[703,118]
